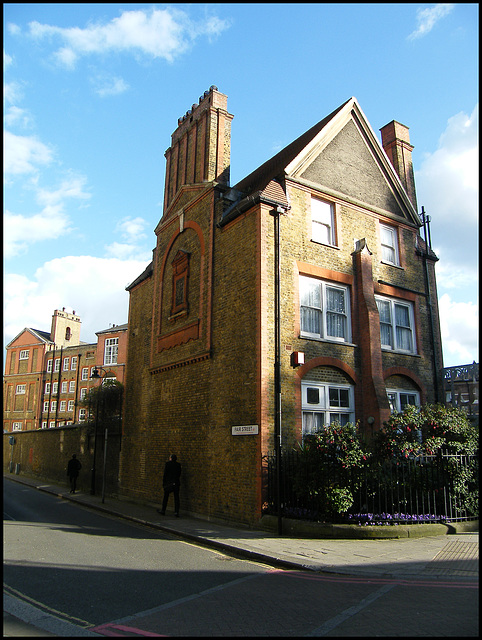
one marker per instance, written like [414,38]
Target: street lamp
[96,376]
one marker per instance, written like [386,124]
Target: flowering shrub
[426,430]
[327,464]
[333,464]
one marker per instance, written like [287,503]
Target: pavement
[429,557]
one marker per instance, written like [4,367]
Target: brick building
[461,384]
[47,374]
[357,333]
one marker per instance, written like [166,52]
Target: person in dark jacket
[171,483]
[73,469]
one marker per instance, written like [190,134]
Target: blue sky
[92,94]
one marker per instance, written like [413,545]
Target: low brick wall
[45,454]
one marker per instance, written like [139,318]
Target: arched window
[180,277]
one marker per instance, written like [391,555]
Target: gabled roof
[40,336]
[275,166]
[296,159]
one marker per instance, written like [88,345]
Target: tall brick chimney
[200,146]
[396,142]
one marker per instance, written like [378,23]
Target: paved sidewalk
[428,558]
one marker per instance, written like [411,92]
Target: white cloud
[94,287]
[110,87]
[459,325]
[132,228]
[447,187]
[159,33]
[24,154]
[21,231]
[17,116]
[427,18]
[7,60]
[132,231]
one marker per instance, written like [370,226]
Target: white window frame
[71,405]
[397,399]
[72,386]
[17,426]
[66,364]
[63,406]
[83,393]
[322,221]
[55,387]
[82,415]
[325,410]
[111,349]
[47,387]
[393,342]
[85,373]
[44,424]
[49,365]
[64,386]
[73,363]
[24,353]
[46,406]
[53,406]
[389,244]
[57,365]
[52,424]
[21,389]
[320,306]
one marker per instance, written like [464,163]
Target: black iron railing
[426,489]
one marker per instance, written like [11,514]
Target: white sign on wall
[245,430]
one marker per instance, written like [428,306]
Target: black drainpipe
[426,233]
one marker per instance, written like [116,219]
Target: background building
[461,385]
[302,295]
[48,374]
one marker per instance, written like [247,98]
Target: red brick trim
[403,371]
[306,269]
[175,338]
[197,229]
[182,363]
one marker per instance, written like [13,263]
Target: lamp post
[96,376]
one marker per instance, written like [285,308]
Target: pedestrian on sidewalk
[171,482]
[73,469]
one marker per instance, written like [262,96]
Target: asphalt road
[105,576]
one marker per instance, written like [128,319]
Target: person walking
[171,483]
[73,469]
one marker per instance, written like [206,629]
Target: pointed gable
[340,154]
[346,158]
[30,336]
[347,166]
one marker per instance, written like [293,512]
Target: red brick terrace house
[358,323]
[47,374]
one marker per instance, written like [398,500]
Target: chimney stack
[396,143]
[200,146]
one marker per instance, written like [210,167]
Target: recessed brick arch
[403,371]
[326,361]
[194,330]
[320,361]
